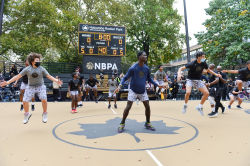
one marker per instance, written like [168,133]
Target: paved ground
[89,137]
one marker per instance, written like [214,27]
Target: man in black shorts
[196,68]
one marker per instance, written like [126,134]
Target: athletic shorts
[160,82]
[195,83]
[74,93]
[132,96]
[90,87]
[112,94]
[30,92]
[234,97]
[23,86]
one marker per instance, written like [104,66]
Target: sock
[80,102]
[26,113]
[200,105]
[185,104]
[213,109]
[32,103]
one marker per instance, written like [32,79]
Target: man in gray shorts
[196,68]
[36,85]
[112,84]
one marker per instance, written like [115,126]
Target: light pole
[1,16]
[187,36]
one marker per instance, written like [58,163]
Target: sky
[196,16]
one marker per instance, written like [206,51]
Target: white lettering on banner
[97,66]
[109,66]
[105,66]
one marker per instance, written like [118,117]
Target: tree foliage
[50,27]
[226,40]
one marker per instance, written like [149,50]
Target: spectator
[56,92]
[13,71]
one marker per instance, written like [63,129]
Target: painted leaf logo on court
[133,127]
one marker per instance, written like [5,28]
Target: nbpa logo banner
[95,64]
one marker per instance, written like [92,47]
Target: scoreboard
[102,40]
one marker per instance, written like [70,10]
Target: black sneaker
[149,126]
[238,106]
[32,107]
[223,109]
[121,128]
[115,106]
[96,101]
[213,114]
[109,106]
[21,109]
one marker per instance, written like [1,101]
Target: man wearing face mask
[216,86]
[196,68]
[36,85]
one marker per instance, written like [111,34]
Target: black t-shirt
[204,78]
[195,69]
[236,90]
[224,76]
[25,77]
[244,74]
[92,82]
[81,78]
[175,86]
[73,84]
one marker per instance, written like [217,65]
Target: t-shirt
[224,76]
[244,74]
[204,79]
[139,75]
[35,75]
[25,77]
[236,90]
[195,69]
[112,85]
[73,84]
[92,82]
[160,75]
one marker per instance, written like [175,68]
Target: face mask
[203,60]
[38,64]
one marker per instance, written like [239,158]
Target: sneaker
[121,128]
[26,117]
[184,109]
[74,111]
[213,114]
[32,107]
[45,117]
[109,106]
[229,107]
[223,109]
[21,109]
[238,106]
[96,101]
[149,126]
[200,110]
[115,105]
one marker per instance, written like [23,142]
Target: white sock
[200,105]
[21,103]
[213,109]
[32,103]
[80,102]
[185,104]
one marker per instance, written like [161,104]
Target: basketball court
[90,136]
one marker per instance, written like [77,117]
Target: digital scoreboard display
[102,40]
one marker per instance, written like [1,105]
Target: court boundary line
[114,112]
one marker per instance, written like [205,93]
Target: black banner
[104,64]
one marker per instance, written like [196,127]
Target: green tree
[154,28]
[227,32]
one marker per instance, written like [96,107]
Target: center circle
[93,133]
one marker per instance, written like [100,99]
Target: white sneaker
[26,117]
[45,117]
[200,110]
[184,109]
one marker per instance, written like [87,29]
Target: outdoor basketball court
[90,138]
